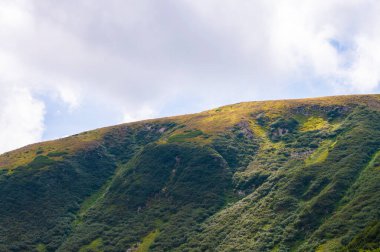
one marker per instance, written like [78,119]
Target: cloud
[292,38]
[140,59]
[143,113]
[21,118]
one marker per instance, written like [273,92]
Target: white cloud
[365,72]
[21,118]
[141,57]
[70,95]
[145,112]
[293,38]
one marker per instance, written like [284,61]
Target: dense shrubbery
[307,206]
[236,146]
[286,189]
[281,127]
[171,188]
[38,202]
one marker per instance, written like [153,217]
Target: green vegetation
[91,201]
[41,248]
[57,153]
[40,161]
[281,127]
[297,175]
[94,246]
[147,241]
[320,154]
[183,137]
[314,123]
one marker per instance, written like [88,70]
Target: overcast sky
[68,66]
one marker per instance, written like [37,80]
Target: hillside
[290,175]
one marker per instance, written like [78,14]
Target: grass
[209,122]
[55,149]
[259,131]
[266,146]
[57,153]
[183,137]
[331,245]
[375,161]
[275,249]
[314,123]
[148,241]
[320,154]
[94,246]
[90,202]
[40,161]
[278,195]
[41,247]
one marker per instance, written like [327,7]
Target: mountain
[290,175]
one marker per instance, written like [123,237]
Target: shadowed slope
[292,175]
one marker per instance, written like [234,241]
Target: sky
[74,65]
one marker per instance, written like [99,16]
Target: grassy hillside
[291,175]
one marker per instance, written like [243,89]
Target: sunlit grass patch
[55,149]
[258,130]
[148,241]
[320,154]
[183,137]
[40,161]
[331,245]
[314,123]
[94,246]
[41,247]
[90,202]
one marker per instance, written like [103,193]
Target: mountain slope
[292,175]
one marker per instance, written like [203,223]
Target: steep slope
[293,175]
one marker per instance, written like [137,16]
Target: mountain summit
[289,175]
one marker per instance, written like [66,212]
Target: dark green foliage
[39,151]
[336,112]
[289,124]
[262,120]
[281,127]
[254,181]
[237,146]
[38,205]
[368,239]
[40,201]
[302,207]
[170,187]
[241,192]
[124,142]
[40,161]
[57,154]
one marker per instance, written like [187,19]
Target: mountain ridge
[281,175]
[341,98]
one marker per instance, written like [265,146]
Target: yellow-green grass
[185,136]
[314,123]
[217,120]
[210,122]
[258,130]
[375,161]
[94,246]
[41,247]
[148,241]
[320,154]
[91,201]
[55,149]
[275,249]
[331,245]
[266,146]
